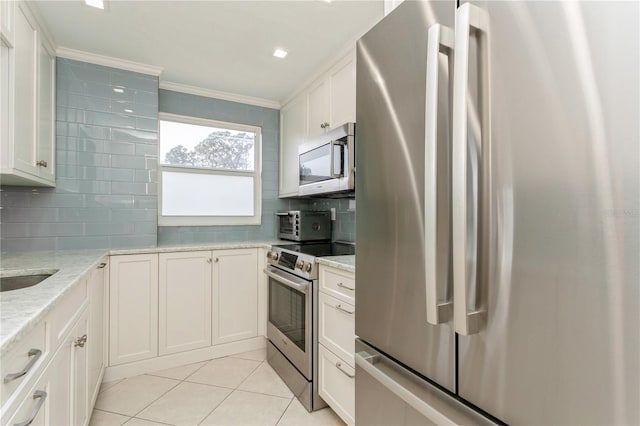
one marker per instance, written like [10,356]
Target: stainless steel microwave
[327,164]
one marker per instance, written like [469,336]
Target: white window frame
[256,219]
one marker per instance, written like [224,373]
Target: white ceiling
[218,45]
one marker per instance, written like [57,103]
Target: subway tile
[100,91]
[31,215]
[109,228]
[145,176]
[132,241]
[109,119]
[120,148]
[128,162]
[88,73]
[94,159]
[55,229]
[129,188]
[134,215]
[89,145]
[120,93]
[111,201]
[81,102]
[27,244]
[137,136]
[146,149]
[133,80]
[14,230]
[145,227]
[147,98]
[145,201]
[84,242]
[83,215]
[93,132]
[149,124]
[134,109]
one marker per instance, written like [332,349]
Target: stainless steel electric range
[292,327]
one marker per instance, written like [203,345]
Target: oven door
[289,325]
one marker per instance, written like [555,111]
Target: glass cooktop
[321,249]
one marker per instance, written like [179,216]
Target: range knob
[308,266]
[300,264]
[272,255]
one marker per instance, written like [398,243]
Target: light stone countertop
[21,310]
[345,263]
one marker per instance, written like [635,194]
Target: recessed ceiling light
[128,110]
[280,53]
[118,90]
[98,4]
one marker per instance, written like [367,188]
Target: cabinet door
[97,336]
[133,308]
[79,338]
[318,110]
[25,59]
[343,93]
[293,119]
[185,301]
[45,154]
[235,297]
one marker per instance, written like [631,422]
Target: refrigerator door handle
[465,226]
[440,39]
[368,362]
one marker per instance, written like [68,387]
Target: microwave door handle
[283,214]
[332,164]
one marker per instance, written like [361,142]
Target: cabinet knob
[41,163]
[209,260]
[80,341]
[216,260]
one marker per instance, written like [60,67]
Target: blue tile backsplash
[107,166]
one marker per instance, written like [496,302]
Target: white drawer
[337,385]
[336,327]
[338,284]
[29,356]
[65,313]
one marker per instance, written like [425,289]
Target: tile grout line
[285,410]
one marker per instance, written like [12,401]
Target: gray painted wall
[106,167]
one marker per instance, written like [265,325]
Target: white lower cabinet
[133,308]
[235,295]
[337,384]
[336,337]
[185,301]
[97,343]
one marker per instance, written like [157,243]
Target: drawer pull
[345,287]
[41,163]
[339,367]
[101,265]
[42,395]
[36,354]
[340,308]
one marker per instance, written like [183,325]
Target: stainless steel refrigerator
[498,214]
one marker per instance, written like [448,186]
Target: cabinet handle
[209,260]
[345,287]
[80,341]
[41,163]
[36,354]
[340,308]
[42,396]
[101,265]
[339,367]
[216,260]
[324,125]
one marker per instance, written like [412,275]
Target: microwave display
[288,260]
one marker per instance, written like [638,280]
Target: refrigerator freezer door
[560,281]
[390,255]
[388,394]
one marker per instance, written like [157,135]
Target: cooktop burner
[320,249]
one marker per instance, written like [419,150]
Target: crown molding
[210,93]
[108,61]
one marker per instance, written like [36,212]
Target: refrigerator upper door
[554,273]
[390,256]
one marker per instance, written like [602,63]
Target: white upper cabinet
[328,102]
[27,87]
[318,112]
[293,122]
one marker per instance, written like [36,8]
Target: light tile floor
[236,390]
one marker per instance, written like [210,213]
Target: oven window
[315,165]
[287,312]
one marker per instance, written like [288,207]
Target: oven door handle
[303,288]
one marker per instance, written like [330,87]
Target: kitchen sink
[17,282]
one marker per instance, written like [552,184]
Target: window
[209,172]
